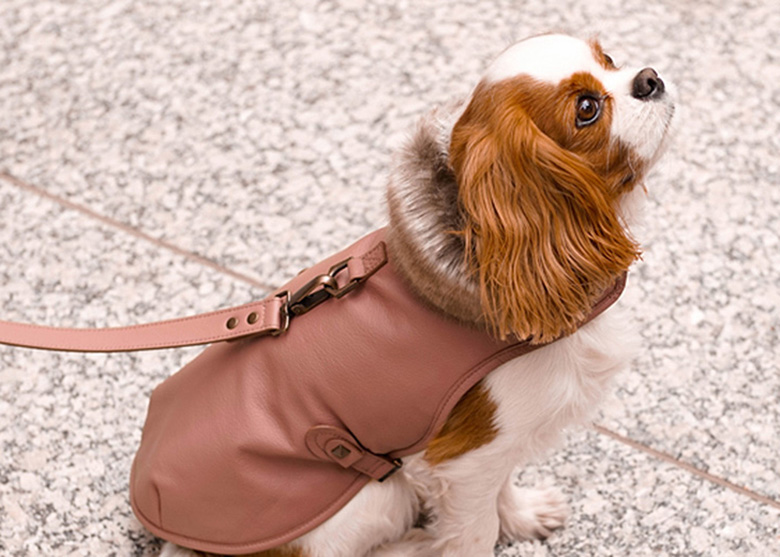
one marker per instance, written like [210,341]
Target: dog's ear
[541,231]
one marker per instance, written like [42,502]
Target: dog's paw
[173,550]
[527,514]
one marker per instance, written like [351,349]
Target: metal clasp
[336,291]
[313,293]
[284,314]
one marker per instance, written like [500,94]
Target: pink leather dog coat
[259,440]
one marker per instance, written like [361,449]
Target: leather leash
[270,316]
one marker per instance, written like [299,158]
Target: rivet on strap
[333,444]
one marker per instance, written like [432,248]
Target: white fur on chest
[560,384]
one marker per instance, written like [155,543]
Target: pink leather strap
[268,316]
[264,317]
[333,444]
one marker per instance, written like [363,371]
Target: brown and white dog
[511,211]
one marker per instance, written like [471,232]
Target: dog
[510,213]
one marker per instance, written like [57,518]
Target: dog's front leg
[466,521]
[460,503]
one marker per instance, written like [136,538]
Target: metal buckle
[313,293]
[347,288]
[283,313]
[397,463]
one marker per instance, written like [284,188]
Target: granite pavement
[161,158]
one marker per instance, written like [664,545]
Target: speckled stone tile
[258,135]
[254,133]
[70,423]
[625,503]
[706,387]
[58,267]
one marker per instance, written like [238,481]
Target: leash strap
[187,331]
[270,316]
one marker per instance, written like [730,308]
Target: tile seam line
[66,203]
[763,499]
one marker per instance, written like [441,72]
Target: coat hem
[358,483]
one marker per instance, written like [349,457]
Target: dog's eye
[588,110]
[610,62]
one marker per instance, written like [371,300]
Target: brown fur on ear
[541,229]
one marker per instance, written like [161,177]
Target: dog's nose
[647,85]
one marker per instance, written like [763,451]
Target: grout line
[133,231]
[687,467]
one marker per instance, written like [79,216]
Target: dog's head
[552,138]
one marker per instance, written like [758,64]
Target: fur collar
[425,220]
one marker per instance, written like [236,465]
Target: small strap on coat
[333,444]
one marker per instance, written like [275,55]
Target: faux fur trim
[425,220]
